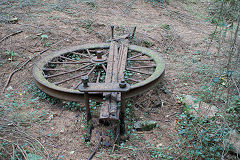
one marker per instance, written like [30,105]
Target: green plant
[12,54]
[165,26]
[233,115]
[44,40]
[201,137]
[91,4]
[148,43]
[157,2]
[87,24]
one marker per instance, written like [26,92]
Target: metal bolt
[85,81]
[99,54]
[112,27]
[133,34]
[122,84]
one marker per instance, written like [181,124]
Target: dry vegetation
[199,41]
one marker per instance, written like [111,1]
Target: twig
[236,85]
[96,148]
[10,35]
[25,63]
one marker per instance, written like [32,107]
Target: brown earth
[175,31]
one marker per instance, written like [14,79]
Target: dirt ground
[174,30]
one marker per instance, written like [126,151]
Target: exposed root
[12,34]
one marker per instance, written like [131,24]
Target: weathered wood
[103,87]
[115,73]
[123,60]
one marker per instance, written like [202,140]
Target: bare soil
[174,30]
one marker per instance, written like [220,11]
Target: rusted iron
[133,59]
[69,62]
[112,29]
[68,58]
[68,79]
[134,70]
[71,94]
[139,67]
[135,56]
[83,55]
[50,76]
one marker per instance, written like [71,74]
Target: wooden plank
[123,59]
[115,73]
[110,61]
[109,109]
[104,111]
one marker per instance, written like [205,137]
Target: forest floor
[178,31]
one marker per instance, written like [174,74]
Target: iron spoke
[149,59]
[98,77]
[89,54]
[105,69]
[50,76]
[134,80]
[56,83]
[138,71]
[69,62]
[81,54]
[75,87]
[139,67]
[68,58]
[138,55]
[53,69]
[91,70]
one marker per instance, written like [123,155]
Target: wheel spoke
[98,76]
[89,54]
[54,69]
[75,87]
[142,67]
[56,83]
[91,70]
[54,75]
[138,55]
[105,69]
[149,59]
[69,62]
[134,80]
[81,54]
[68,58]
[138,71]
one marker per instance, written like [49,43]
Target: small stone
[72,152]
[10,88]
[145,125]
[198,108]
[50,117]
[62,130]
[159,145]
[77,115]
[234,140]
[107,144]
[13,20]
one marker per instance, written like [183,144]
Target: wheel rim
[46,79]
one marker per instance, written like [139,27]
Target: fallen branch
[26,62]
[96,148]
[10,35]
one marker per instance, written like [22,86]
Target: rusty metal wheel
[59,74]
